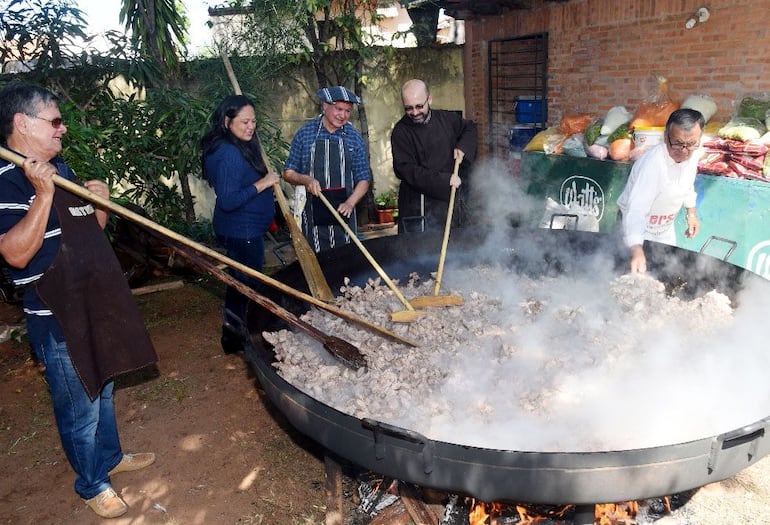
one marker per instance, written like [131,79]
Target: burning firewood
[412,500]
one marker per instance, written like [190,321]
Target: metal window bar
[517,67]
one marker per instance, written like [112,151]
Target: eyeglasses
[55,122]
[418,107]
[683,145]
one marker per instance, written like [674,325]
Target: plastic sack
[654,112]
[593,131]
[703,103]
[636,152]
[621,132]
[620,149]
[553,144]
[755,107]
[560,217]
[597,151]
[538,141]
[743,128]
[616,116]
[575,123]
[574,146]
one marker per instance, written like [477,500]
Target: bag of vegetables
[593,131]
[621,143]
[654,112]
[575,123]
[615,117]
[743,128]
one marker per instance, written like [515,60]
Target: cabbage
[622,132]
[593,131]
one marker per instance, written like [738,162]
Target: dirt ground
[224,455]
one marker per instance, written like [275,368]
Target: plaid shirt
[302,145]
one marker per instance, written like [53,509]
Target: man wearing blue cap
[328,155]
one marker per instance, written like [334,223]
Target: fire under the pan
[571,363]
[386,501]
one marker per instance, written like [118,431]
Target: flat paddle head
[425,301]
[347,353]
[406,316]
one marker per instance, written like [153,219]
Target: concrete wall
[440,67]
[291,103]
[603,52]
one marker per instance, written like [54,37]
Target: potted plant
[387,206]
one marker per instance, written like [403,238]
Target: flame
[478,514]
[482,513]
[613,513]
[531,515]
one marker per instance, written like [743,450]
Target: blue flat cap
[333,94]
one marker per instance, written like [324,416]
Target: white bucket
[648,136]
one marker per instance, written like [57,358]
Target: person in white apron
[661,182]
[328,155]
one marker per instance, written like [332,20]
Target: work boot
[131,462]
[107,504]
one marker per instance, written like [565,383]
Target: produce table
[734,213]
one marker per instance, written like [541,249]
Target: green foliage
[42,32]
[138,146]
[387,199]
[49,37]
[327,33]
[158,35]
[143,141]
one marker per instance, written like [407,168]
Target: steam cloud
[589,360]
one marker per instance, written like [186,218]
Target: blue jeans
[87,429]
[249,252]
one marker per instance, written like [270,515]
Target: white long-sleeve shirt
[656,190]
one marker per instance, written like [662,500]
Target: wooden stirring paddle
[345,352]
[424,301]
[141,220]
[403,316]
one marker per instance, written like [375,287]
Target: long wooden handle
[230,72]
[147,223]
[366,253]
[346,352]
[445,242]
[308,262]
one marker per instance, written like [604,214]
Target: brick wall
[604,53]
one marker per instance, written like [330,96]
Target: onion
[620,149]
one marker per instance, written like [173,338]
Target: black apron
[331,166]
[88,294]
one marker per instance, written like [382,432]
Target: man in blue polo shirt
[82,322]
